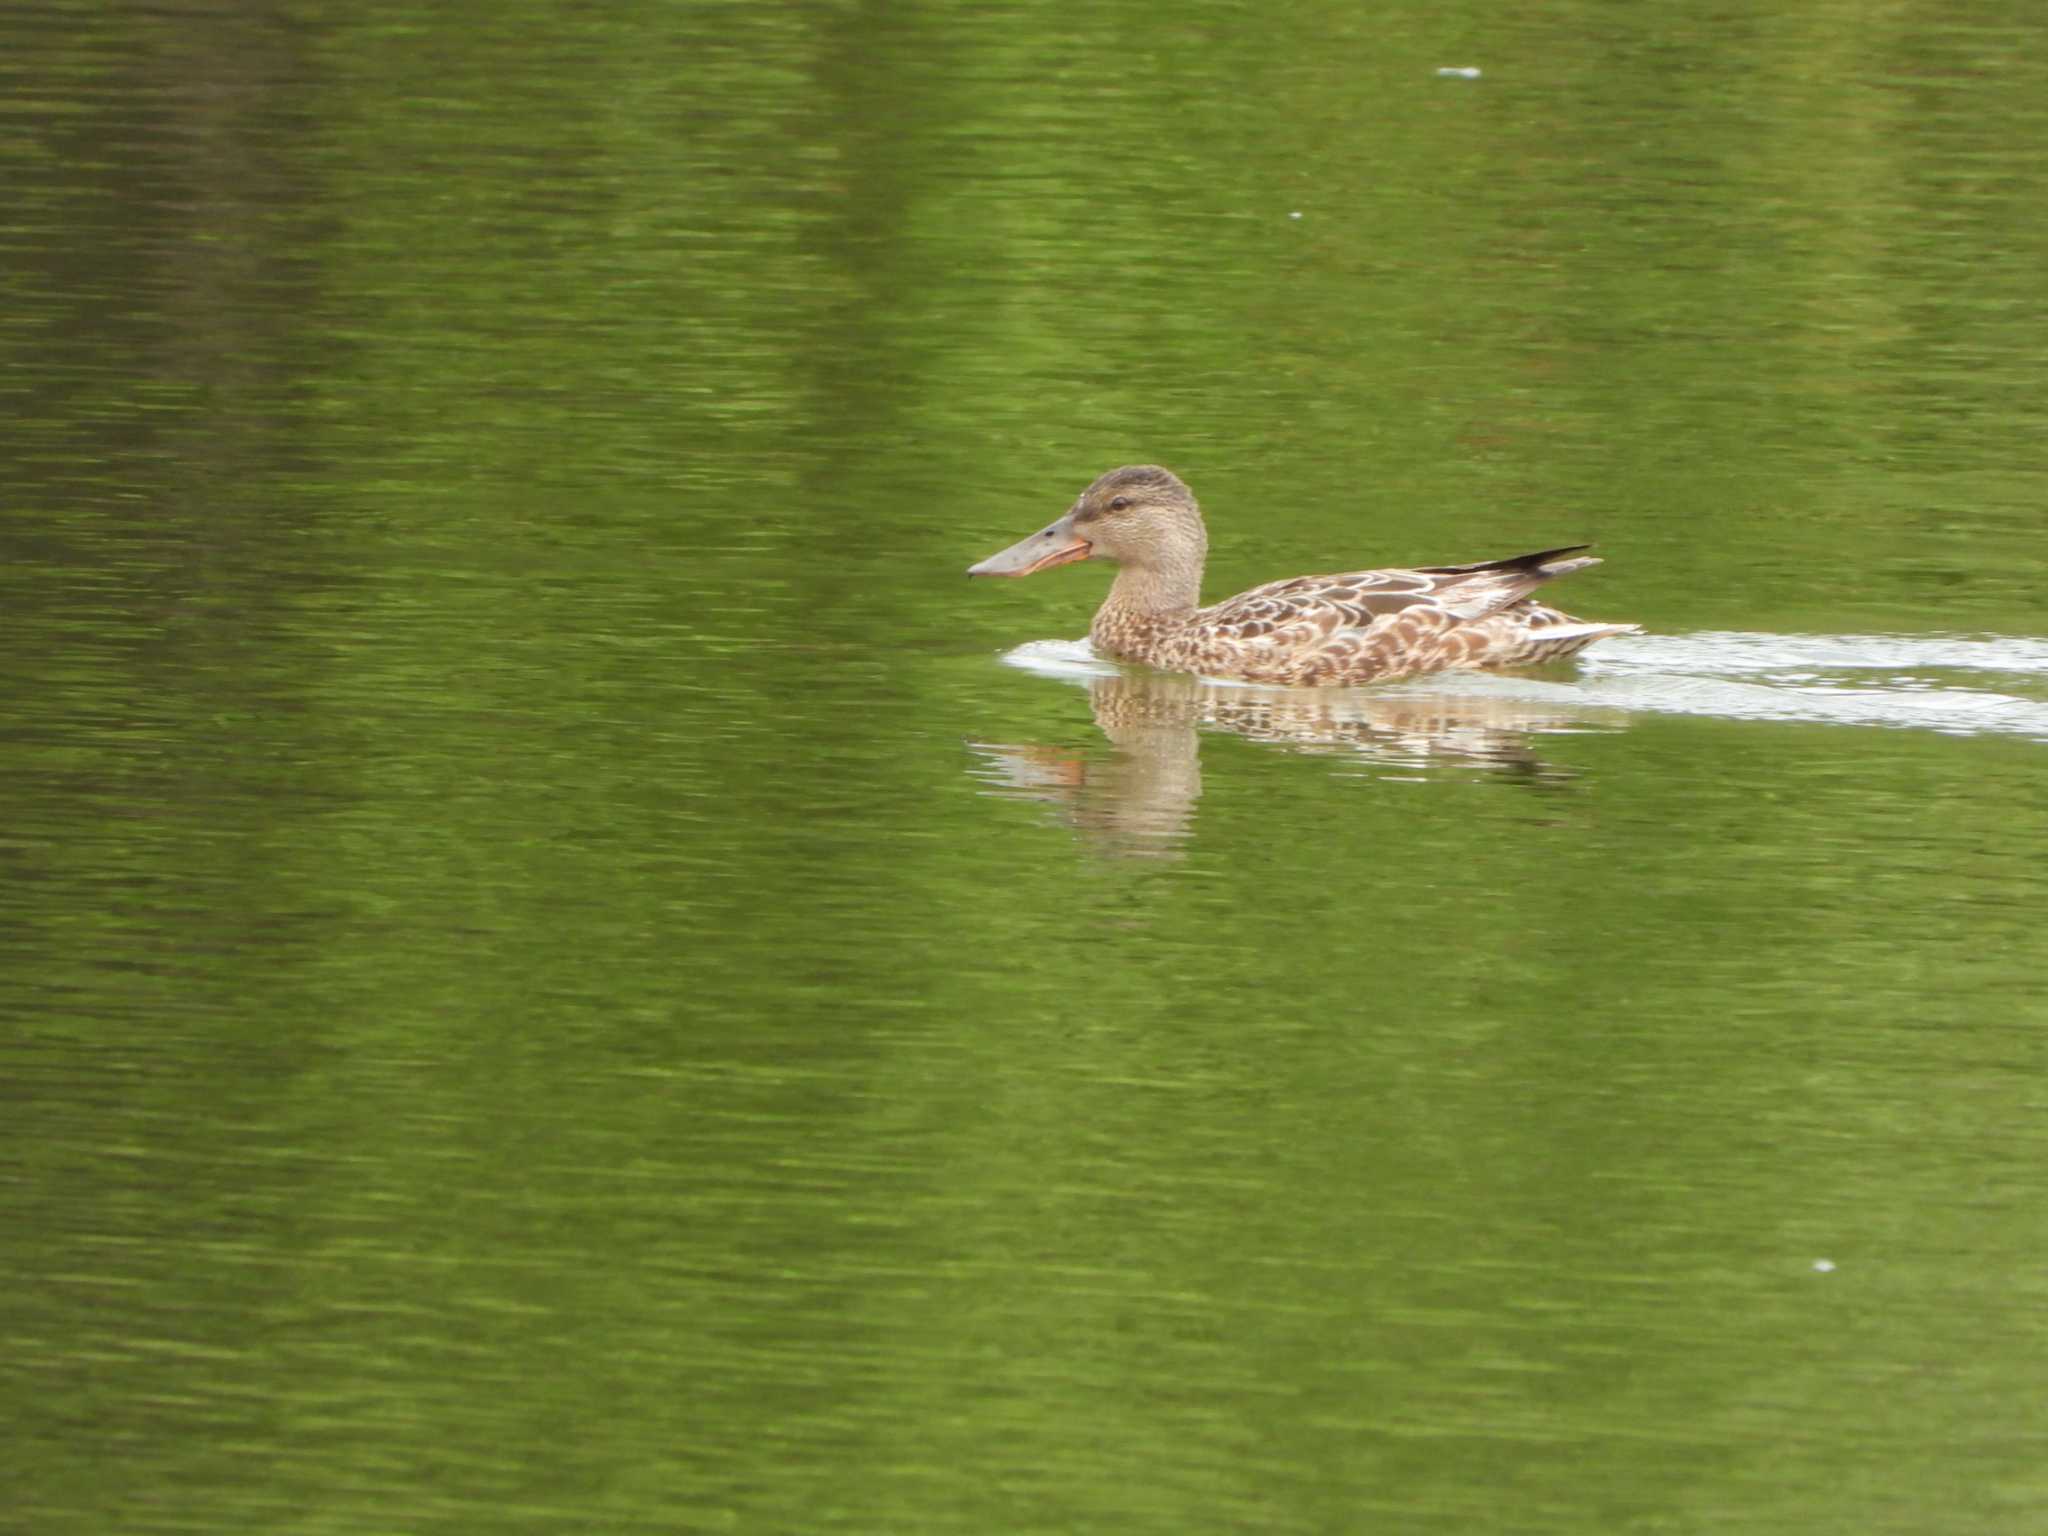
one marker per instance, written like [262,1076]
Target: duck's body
[1355,627]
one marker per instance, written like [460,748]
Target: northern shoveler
[1356,627]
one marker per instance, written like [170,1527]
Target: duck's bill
[1056,545]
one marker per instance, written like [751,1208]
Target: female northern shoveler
[1357,627]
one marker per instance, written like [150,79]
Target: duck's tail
[1586,631]
[1553,642]
[1491,585]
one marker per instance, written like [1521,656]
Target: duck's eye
[1118,503]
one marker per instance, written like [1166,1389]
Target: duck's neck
[1167,585]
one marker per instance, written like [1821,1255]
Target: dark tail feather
[1496,584]
[1537,565]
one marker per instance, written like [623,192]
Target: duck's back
[1367,626]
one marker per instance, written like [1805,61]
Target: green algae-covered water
[563,970]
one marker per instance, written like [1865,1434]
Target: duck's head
[1140,515]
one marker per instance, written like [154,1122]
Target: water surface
[557,980]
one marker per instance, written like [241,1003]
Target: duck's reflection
[1140,796]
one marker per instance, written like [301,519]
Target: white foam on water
[1074,660]
[1894,681]
[1729,651]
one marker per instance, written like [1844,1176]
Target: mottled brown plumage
[1355,627]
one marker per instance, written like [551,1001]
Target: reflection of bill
[1141,796]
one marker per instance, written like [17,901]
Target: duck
[1315,631]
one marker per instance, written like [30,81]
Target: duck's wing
[1305,609]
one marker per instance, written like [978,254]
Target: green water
[555,979]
